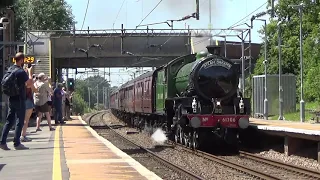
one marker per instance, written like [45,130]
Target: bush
[79,105]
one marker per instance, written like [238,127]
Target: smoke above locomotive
[211,76]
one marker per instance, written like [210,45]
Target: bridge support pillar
[291,145]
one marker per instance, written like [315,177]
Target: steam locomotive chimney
[214,49]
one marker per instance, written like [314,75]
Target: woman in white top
[41,100]
[49,97]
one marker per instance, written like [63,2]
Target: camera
[37,62]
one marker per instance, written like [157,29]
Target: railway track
[297,170]
[151,154]
[301,171]
[227,163]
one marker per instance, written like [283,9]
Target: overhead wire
[85,14]
[149,13]
[241,20]
[118,13]
[146,15]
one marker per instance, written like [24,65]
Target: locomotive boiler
[194,98]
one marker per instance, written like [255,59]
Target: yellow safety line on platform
[56,172]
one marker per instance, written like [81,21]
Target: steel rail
[228,163]
[164,162]
[289,167]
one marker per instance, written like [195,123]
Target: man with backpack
[14,85]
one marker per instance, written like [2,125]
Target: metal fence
[289,94]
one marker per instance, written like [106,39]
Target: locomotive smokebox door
[214,49]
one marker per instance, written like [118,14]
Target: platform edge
[132,162]
[287,129]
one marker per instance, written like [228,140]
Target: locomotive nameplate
[217,62]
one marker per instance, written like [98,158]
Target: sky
[108,14]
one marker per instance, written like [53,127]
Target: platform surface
[74,151]
[287,126]
[35,163]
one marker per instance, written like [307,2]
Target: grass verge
[295,116]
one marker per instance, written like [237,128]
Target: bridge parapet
[65,47]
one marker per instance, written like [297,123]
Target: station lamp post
[302,103]
[265,62]
[281,117]
[4,21]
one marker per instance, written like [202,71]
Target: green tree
[290,41]
[79,105]
[92,82]
[42,15]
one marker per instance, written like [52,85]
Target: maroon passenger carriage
[133,100]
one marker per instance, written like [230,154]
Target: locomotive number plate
[232,120]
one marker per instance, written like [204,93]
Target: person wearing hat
[41,100]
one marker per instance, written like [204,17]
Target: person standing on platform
[14,85]
[29,109]
[57,104]
[64,94]
[67,104]
[41,101]
[50,97]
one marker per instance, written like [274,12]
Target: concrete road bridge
[129,47]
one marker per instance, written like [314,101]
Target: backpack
[9,82]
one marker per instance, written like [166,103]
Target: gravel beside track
[191,162]
[269,169]
[138,154]
[293,159]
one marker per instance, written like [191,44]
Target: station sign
[27,59]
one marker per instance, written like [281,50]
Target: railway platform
[73,151]
[294,133]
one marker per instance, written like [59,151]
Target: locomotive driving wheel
[195,140]
[181,136]
[176,134]
[189,140]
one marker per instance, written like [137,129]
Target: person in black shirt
[17,105]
